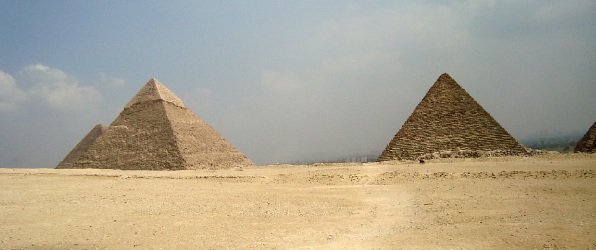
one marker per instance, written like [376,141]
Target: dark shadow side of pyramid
[155,131]
[588,142]
[448,119]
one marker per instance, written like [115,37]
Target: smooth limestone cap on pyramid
[448,119]
[588,142]
[155,131]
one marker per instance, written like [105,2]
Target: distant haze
[288,81]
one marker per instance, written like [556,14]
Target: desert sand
[540,202]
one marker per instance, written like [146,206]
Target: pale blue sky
[290,81]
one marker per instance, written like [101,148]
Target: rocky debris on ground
[471,154]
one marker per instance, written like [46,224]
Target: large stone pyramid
[588,143]
[449,119]
[155,131]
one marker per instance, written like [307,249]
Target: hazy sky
[289,81]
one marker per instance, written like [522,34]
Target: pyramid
[155,131]
[588,143]
[448,119]
[83,145]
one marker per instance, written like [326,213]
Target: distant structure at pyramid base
[155,131]
[448,119]
[588,142]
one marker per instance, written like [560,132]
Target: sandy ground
[546,202]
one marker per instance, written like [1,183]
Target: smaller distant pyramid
[155,131]
[588,143]
[449,119]
[82,147]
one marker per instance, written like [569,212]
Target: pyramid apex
[445,76]
[444,80]
[155,90]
